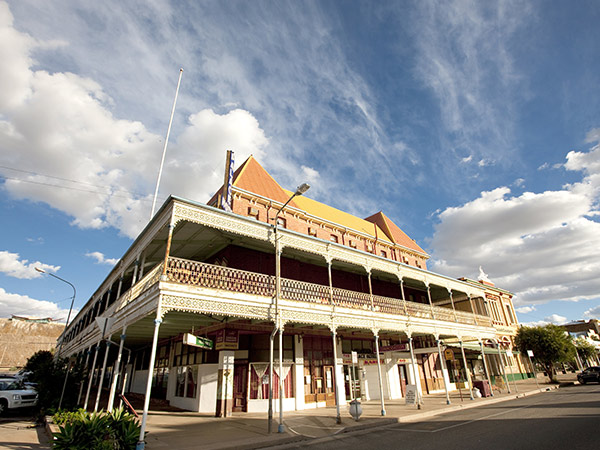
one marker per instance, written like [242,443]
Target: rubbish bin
[484,388]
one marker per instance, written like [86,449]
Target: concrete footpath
[185,430]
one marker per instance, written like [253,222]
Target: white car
[13,394]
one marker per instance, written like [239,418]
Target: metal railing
[235,280]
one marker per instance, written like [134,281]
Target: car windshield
[11,385]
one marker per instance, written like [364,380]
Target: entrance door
[402,372]
[329,386]
[422,374]
[240,386]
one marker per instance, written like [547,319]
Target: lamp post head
[40,270]
[302,188]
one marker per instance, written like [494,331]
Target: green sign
[198,341]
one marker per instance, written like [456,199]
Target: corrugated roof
[252,177]
[337,216]
[394,232]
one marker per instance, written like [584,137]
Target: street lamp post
[62,394]
[299,191]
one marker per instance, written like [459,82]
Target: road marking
[396,428]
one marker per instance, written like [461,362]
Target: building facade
[218,311]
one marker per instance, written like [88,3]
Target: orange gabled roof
[393,232]
[252,177]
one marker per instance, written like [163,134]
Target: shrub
[117,430]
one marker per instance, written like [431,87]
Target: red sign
[227,340]
[394,348]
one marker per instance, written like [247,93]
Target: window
[312,231]
[383,253]
[186,382]
[253,212]
[352,244]
[281,222]
[333,238]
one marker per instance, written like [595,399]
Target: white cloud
[13,266]
[525,309]
[519,182]
[542,246]
[592,313]
[22,305]
[61,124]
[556,319]
[101,259]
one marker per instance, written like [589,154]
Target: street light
[63,334]
[299,191]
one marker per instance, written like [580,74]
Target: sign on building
[197,341]
[227,340]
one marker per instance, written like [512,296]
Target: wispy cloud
[12,265]
[465,59]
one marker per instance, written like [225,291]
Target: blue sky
[475,126]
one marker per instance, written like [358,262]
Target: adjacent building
[207,293]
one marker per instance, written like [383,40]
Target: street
[567,418]
[18,431]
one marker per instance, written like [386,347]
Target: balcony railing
[234,280]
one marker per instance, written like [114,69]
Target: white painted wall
[207,381]
[393,379]
[139,381]
[339,376]
[299,373]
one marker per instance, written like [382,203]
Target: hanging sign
[354,358]
[530,353]
[449,354]
[197,341]
[227,340]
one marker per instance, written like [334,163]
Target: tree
[550,344]
[586,350]
[49,374]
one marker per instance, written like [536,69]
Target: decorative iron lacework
[233,280]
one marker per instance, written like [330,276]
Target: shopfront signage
[197,341]
[394,348]
[227,340]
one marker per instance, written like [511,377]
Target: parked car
[14,394]
[589,374]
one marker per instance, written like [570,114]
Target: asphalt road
[568,418]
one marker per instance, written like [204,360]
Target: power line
[63,179]
[110,193]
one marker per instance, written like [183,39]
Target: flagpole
[165,146]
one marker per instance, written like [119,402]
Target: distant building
[589,331]
[193,299]
[21,337]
